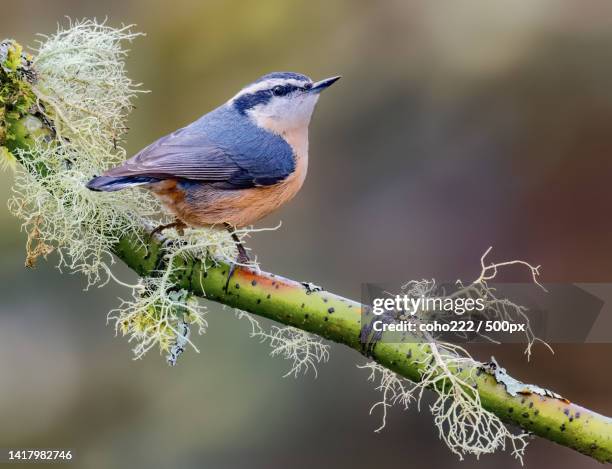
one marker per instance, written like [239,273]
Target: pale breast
[298,139]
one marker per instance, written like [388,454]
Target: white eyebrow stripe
[267,84]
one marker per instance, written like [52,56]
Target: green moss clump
[16,96]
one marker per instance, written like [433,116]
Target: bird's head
[280,102]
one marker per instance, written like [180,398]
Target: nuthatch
[235,164]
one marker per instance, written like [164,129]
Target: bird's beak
[321,85]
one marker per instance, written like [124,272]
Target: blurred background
[457,125]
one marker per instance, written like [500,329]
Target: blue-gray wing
[221,147]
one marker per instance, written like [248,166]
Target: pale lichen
[495,307]
[160,314]
[448,369]
[83,89]
[513,386]
[82,77]
[58,210]
[463,424]
[158,317]
[302,349]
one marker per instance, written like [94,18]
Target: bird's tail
[116,183]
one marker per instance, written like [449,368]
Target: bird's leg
[242,258]
[178,224]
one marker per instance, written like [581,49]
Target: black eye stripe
[248,101]
[282,90]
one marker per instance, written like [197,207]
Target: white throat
[284,114]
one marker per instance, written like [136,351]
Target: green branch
[339,319]
[319,312]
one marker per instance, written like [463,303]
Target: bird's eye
[278,90]
[307,86]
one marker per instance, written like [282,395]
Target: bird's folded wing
[243,161]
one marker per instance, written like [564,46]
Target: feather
[111,184]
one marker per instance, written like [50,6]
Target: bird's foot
[311,287]
[241,260]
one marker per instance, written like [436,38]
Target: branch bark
[339,319]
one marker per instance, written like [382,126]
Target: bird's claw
[311,287]
[232,269]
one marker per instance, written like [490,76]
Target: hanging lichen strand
[62,117]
